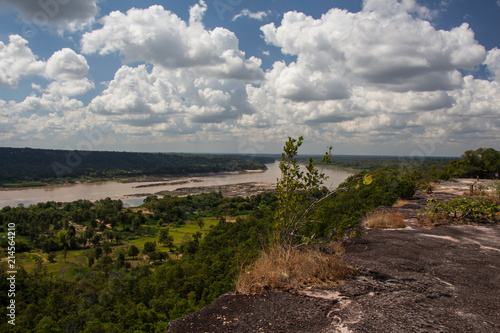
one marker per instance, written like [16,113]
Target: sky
[372,77]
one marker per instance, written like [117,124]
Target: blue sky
[381,77]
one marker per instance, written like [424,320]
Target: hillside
[23,165]
[417,279]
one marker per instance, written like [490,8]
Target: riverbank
[125,179]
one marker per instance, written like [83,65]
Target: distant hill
[367,162]
[25,165]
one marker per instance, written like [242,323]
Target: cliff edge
[440,279]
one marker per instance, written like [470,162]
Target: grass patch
[384,219]
[401,203]
[279,269]
[178,232]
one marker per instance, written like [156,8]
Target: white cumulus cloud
[158,36]
[493,63]
[17,61]
[66,64]
[381,75]
[141,97]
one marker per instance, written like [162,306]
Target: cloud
[396,52]
[70,88]
[394,7]
[55,97]
[382,75]
[383,78]
[54,129]
[197,12]
[141,97]
[157,36]
[17,61]
[493,63]
[259,16]
[301,83]
[66,65]
[61,14]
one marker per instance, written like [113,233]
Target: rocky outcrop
[415,279]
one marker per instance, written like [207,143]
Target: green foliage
[200,222]
[133,251]
[364,192]
[298,193]
[165,238]
[149,247]
[470,208]
[365,163]
[111,296]
[176,210]
[482,162]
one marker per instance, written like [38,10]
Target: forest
[101,267]
[37,167]
[374,162]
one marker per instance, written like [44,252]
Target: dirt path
[444,279]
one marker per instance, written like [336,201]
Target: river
[123,191]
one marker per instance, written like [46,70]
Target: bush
[51,257]
[471,208]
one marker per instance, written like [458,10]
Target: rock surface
[441,279]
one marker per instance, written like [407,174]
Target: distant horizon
[300,155]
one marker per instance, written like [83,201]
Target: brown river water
[123,191]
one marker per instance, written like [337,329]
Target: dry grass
[279,269]
[382,220]
[401,203]
[427,222]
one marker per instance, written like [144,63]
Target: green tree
[165,238]
[149,247]
[200,223]
[133,251]
[298,193]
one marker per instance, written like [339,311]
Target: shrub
[473,208]
[383,219]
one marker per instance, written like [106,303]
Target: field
[65,263]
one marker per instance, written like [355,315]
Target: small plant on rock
[462,209]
